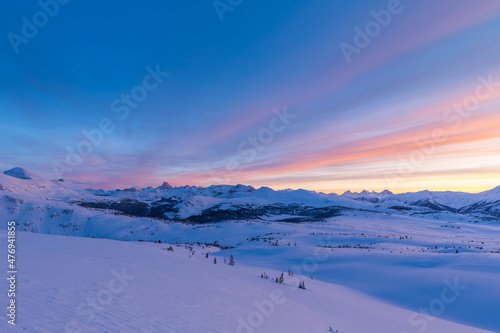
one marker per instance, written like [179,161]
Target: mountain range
[49,205]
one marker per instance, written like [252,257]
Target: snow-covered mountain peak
[165,186]
[21,173]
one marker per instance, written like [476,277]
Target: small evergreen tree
[215,260]
[231,260]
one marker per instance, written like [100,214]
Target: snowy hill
[20,173]
[184,292]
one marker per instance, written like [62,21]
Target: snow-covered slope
[22,183]
[108,286]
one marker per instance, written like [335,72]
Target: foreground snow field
[70,284]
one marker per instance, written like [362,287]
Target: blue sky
[353,123]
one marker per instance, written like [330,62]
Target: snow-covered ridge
[367,196]
[446,201]
[231,202]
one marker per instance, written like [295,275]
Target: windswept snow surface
[69,284]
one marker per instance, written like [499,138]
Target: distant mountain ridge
[367,196]
[487,202]
[27,196]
